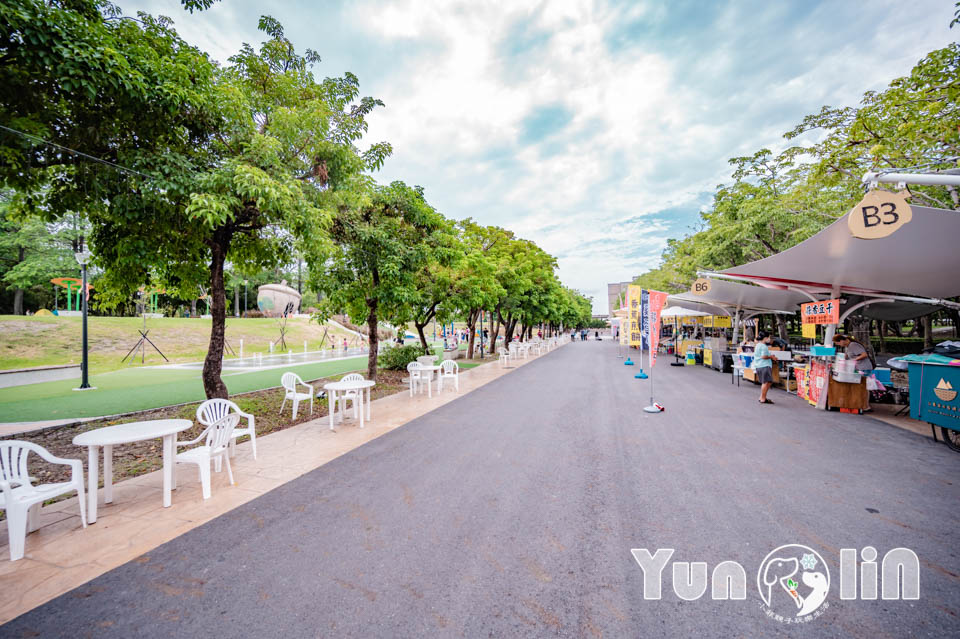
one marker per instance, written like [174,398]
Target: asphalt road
[512,513]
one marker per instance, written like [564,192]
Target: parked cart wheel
[951,438]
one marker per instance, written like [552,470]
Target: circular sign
[879,214]
[701,286]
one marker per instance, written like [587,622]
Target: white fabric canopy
[922,258]
[731,295]
[679,311]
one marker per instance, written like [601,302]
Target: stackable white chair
[418,377]
[217,437]
[290,382]
[449,369]
[214,410]
[22,500]
[504,356]
[355,397]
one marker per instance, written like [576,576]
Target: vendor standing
[763,366]
[855,351]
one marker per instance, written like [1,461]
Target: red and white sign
[822,312]
[655,301]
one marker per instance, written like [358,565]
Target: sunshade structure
[679,311]
[725,298]
[906,274]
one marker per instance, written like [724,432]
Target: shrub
[252,314]
[397,358]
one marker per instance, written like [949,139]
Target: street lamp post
[244,298]
[83,256]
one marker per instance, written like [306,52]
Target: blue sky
[596,128]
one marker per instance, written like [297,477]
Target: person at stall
[763,365]
[857,352]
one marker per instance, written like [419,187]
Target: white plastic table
[431,370]
[111,436]
[341,387]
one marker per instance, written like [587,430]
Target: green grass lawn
[41,341]
[138,389]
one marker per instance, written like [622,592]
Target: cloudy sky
[596,128]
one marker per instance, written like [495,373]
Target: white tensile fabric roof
[730,295]
[679,311]
[922,258]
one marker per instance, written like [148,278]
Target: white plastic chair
[290,381]
[504,356]
[22,500]
[351,396]
[217,438]
[449,369]
[213,410]
[418,377]
[738,367]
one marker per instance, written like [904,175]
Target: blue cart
[935,397]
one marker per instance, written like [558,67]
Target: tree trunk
[472,329]
[954,316]
[860,327]
[782,328]
[423,338]
[927,331]
[213,385]
[193,308]
[18,302]
[883,338]
[494,333]
[374,338]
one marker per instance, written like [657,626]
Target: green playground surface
[136,389]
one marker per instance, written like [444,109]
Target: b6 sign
[823,312]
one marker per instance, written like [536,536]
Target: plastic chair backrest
[289,381]
[13,461]
[449,367]
[213,409]
[218,434]
[426,360]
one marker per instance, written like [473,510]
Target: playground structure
[71,284]
[150,299]
[277,300]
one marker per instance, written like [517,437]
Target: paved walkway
[62,555]
[512,512]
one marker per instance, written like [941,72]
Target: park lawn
[138,389]
[44,341]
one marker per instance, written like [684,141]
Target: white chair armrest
[248,417]
[309,386]
[194,441]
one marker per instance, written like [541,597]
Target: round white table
[111,436]
[342,387]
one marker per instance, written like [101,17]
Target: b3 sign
[879,214]
[822,312]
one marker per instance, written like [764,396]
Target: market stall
[906,273]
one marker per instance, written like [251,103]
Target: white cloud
[658,96]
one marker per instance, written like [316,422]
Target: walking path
[62,555]
[512,512]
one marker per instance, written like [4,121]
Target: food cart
[893,276]
[934,398]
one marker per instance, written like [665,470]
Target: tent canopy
[922,258]
[731,295]
[679,311]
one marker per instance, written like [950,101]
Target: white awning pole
[921,179]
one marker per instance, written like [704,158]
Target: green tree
[381,244]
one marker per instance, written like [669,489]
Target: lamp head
[83,257]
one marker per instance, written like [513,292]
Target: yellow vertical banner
[633,304]
[808,331]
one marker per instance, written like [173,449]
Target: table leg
[430,385]
[168,468]
[369,393]
[332,405]
[108,474]
[93,475]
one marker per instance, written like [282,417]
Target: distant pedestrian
[596,335]
[344,343]
[763,365]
